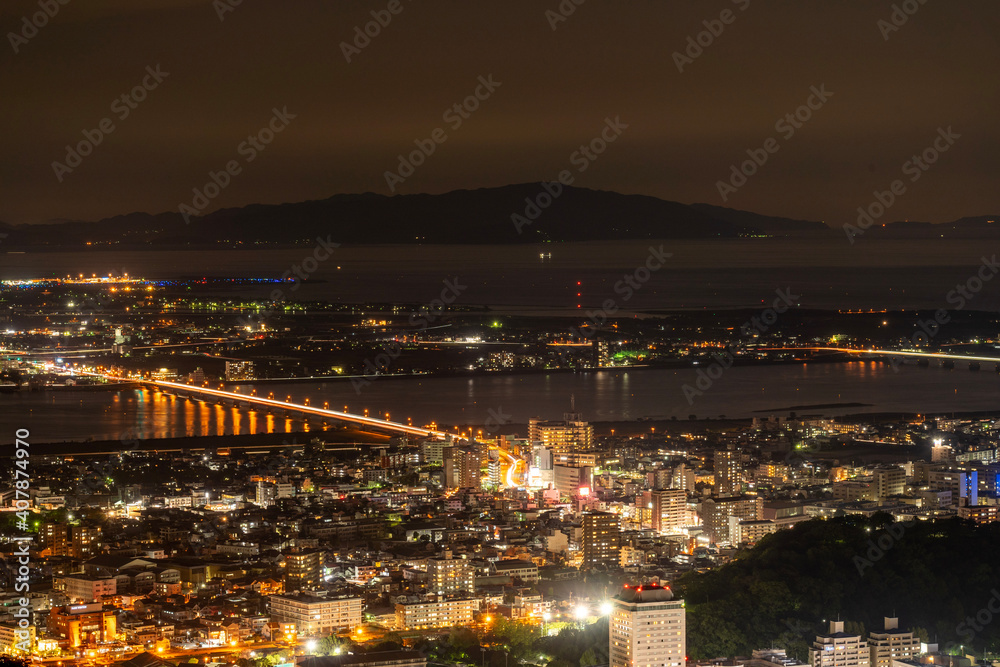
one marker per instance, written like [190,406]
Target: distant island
[513,214]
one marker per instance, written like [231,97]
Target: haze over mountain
[522,213]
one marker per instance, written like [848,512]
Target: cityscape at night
[515,333]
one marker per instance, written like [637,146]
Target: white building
[315,616]
[86,588]
[648,628]
[892,644]
[839,649]
[450,575]
[439,614]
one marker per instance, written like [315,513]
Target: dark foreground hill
[933,575]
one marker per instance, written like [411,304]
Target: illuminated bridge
[182,389]
[890,353]
[271,403]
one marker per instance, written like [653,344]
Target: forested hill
[784,591]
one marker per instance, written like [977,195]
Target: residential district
[318,554]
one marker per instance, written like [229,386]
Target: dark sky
[608,59]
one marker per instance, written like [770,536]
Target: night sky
[557,87]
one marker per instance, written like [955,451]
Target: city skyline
[511,333]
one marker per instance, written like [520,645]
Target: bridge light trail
[891,353]
[270,402]
[285,405]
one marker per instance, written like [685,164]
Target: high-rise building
[721,515]
[669,507]
[265,493]
[889,481]
[647,628]
[839,649]
[728,471]
[75,541]
[303,569]
[601,351]
[432,451]
[572,434]
[55,538]
[892,644]
[450,575]
[601,539]
[84,541]
[462,467]
[963,483]
[573,480]
[238,371]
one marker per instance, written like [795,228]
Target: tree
[334,645]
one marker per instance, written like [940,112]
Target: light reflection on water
[610,395]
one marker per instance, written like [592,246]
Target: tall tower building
[303,569]
[601,539]
[572,434]
[720,515]
[84,541]
[54,537]
[668,510]
[728,471]
[889,481]
[892,644]
[647,628]
[450,575]
[839,649]
[462,467]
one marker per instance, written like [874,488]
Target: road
[512,473]
[893,353]
[281,405]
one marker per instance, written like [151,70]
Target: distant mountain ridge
[521,213]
